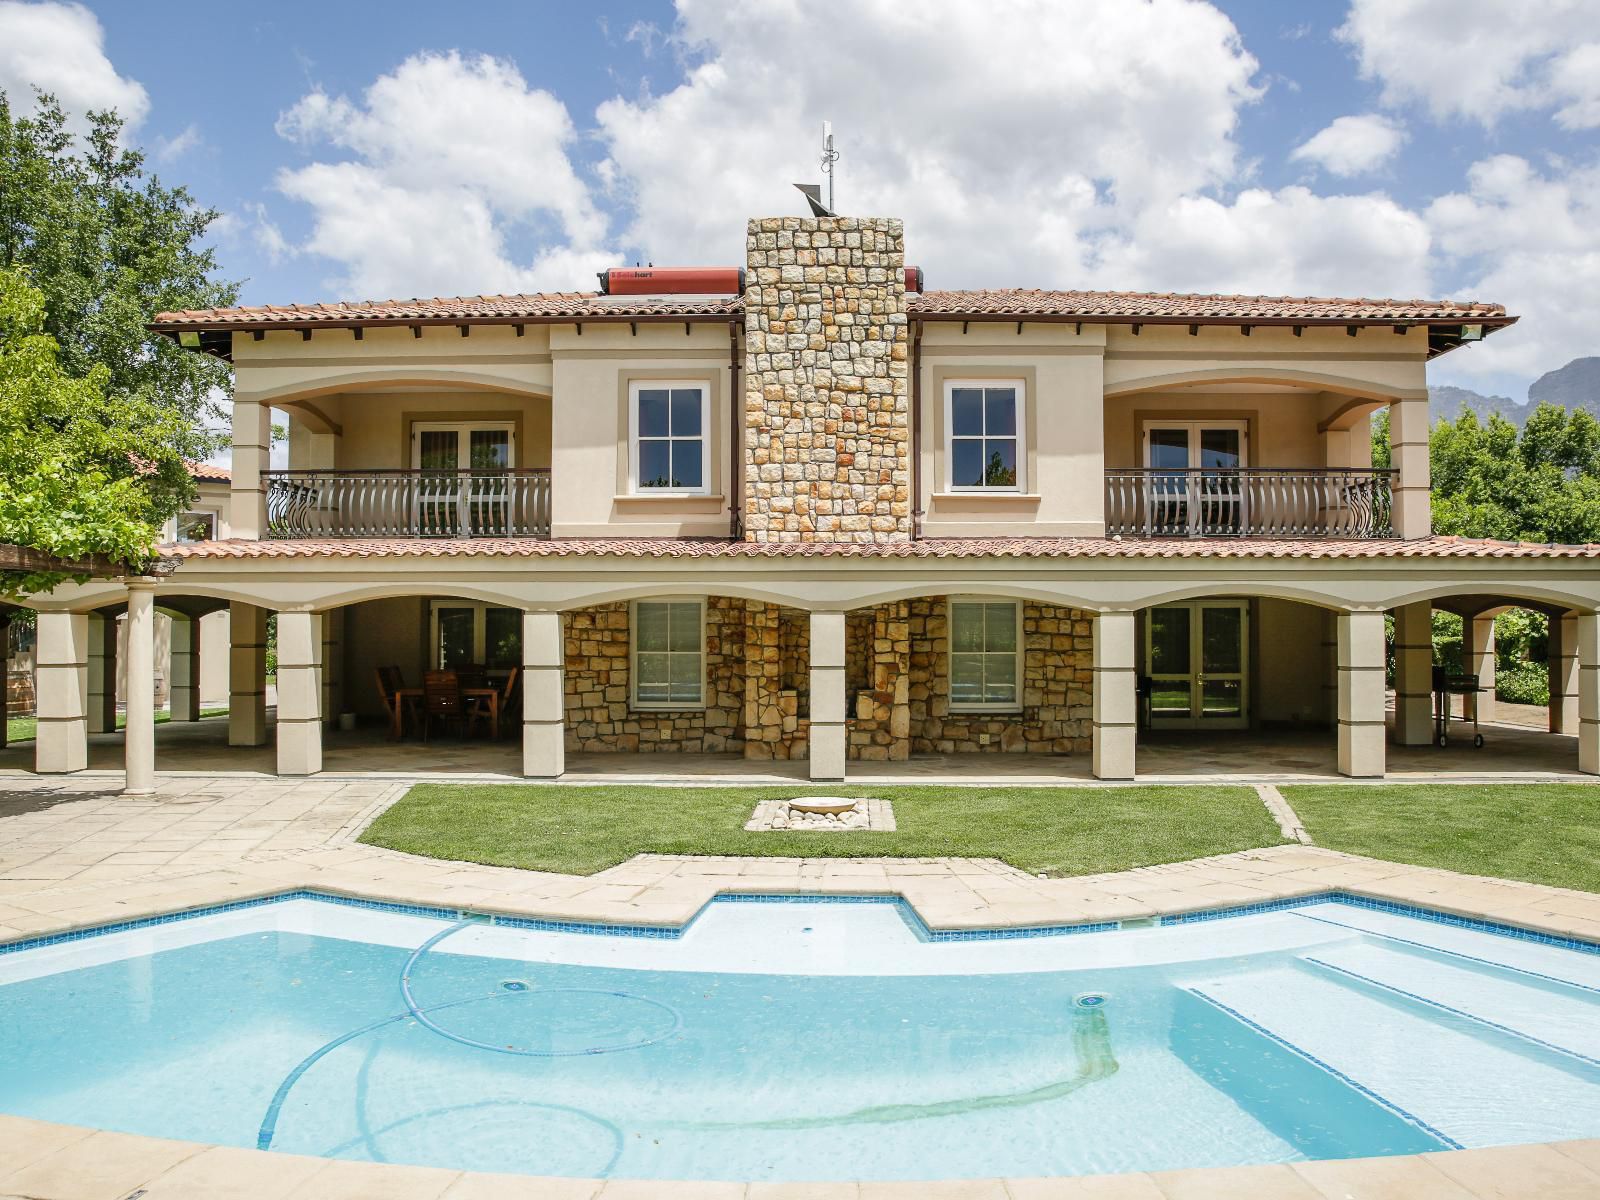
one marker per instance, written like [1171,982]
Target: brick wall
[827,429]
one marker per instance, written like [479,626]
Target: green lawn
[1056,831]
[23,729]
[1542,833]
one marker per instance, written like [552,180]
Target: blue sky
[1384,147]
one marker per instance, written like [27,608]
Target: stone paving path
[75,853]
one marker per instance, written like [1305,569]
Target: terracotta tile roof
[1004,302]
[202,472]
[702,548]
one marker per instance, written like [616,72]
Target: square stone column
[1413,674]
[1589,693]
[247,675]
[61,693]
[1361,726]
[1408,451]
[183,671]
[544,730]
[1116,695]
[139,737]
[299,693]
[103,637]
[826,748]
[1478,634]
[252,438]
[1563,668]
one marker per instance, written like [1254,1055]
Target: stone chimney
[827,412]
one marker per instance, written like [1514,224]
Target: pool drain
[1090,999]
[514,985]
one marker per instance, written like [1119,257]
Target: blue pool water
[806,1040]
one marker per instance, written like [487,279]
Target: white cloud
[170,149]
[1037,122]
[448,159]
[60,48]
[1352,145]
[1531,242]
[1476,59]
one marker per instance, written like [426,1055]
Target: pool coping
[48,1161]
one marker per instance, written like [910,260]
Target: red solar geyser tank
[693,281]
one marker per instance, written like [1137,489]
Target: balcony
[1250,502]
[508,503]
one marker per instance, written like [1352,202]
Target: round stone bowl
[827,805]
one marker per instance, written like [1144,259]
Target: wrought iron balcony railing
[1262,502]
[400,504]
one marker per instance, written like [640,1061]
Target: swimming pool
[805,1039]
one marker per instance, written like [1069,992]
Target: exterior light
[1472,333]
[189,340]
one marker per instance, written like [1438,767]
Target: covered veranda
[1109,583]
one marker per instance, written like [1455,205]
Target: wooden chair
[441,700]
[389,682]
[507,691]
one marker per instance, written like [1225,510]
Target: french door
[462,486]
[1196,658]
[1194,486]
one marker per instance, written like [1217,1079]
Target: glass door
[463,489]
[1196,658]
[1195,488]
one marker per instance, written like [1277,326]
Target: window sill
[1020,499]
[667,708]
[667,498]
[999,711]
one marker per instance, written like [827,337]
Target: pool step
[1465,1082]
[1554,1015]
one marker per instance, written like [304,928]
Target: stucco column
[826,745]
[1589,693]
[1361,729]
[61,693]
[1116,695]
[102,673]
[299,693]
[1413,674]
[183,670]
[247,675]
[252,439]
[139,737]
[5,679]
[1408,451]
[1330,667]
[544,754]
[1563,669]
[332,666]
[1480,652]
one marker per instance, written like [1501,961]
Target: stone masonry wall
[827,413]
[898,653]
[599,711]
[775,639]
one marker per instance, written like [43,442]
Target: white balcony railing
[1262,502]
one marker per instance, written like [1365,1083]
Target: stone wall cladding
[777,647]
[599,710]
[905,709]
[827,411]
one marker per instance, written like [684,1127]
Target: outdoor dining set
[463,700]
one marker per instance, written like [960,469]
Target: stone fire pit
[822,814]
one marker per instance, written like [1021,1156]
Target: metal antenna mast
[829,157]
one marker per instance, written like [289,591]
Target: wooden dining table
[491,694]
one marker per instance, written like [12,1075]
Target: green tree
[83,472]
[109,247]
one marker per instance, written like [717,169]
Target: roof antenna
[813,191]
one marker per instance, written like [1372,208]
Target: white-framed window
[197,526]
[466,633]
[471,446]
[667,643]
[669,438]
[985,655]
[983,420]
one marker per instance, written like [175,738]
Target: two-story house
[809,511]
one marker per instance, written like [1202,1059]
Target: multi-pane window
[669,653]
[467,634]
[671,444]
[985,442]
[985,654]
